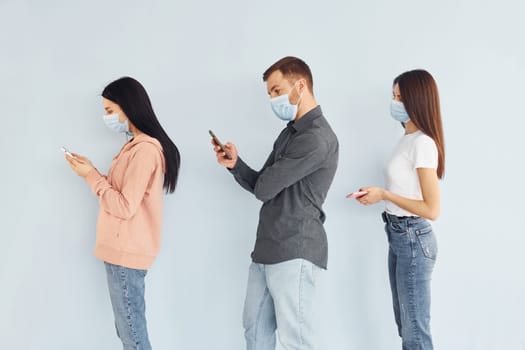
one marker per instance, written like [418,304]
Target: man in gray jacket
[291,244]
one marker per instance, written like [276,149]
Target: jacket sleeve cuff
[92,178]
[236,168]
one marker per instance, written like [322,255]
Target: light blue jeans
[126,289]
[280,297]
[411,258]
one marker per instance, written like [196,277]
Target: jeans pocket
[397,227]
[427,241]
[316,270]
[142,273]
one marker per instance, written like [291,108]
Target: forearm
[244,175]
[428,209]
[112,201]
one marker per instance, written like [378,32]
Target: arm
[304,155]
[246,176]
[243,174]
[125,203]
[428,207]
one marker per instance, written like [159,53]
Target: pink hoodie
[130,215]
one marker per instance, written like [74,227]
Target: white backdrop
[202,63]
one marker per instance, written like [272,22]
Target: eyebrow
[272,88]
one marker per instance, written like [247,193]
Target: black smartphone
[216,140]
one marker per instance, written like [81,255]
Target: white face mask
[113,123]
[398,111]
[282,107]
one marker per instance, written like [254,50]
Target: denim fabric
[280,297]
[126,289]
[411,258]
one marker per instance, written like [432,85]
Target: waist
[388,218]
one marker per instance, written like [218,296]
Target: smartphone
[216,140]
[66,151]
[356,195]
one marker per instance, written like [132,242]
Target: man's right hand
[221,156]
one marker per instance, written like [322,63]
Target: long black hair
[133,99]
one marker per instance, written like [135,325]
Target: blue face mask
[398,111]
[114,124]
[282,107]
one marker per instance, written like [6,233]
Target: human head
[128,95]
[292,69]
[290,76]
[418,91]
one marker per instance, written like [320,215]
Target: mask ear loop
[128,134]
[300,94]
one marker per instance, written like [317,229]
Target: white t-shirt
[415,150]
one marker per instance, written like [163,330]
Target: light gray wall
[202,62]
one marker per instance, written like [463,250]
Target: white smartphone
[66,151]
[356,195]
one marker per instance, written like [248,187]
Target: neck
[305,107]
[410,127]
[136,132]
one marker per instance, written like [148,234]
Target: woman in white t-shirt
[411,196]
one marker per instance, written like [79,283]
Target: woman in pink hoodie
[130,196]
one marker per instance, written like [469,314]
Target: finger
[77,160]
[80,158]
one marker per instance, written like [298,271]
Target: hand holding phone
[65,150]
[221,146]
[356,195]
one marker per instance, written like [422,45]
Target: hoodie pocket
[108,229]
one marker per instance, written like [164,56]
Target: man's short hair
[292,68]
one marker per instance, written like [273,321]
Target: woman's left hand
[374,195]
[80,165]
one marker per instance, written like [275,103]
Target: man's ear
[302,85]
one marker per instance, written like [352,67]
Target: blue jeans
[280,297]
[411,259]
[126,289]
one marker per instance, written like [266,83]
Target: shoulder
[424,152]
[322,127]
[424,141]
[308,142]
[310,136]
[147,150]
